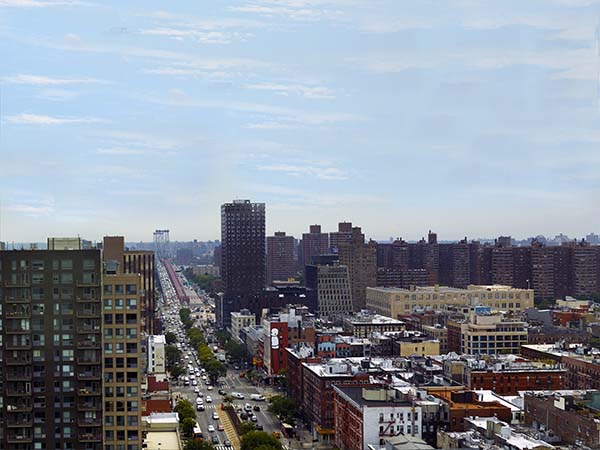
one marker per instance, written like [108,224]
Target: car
[199,407]
[258,426]
[215,439]
[256,408]
[227,443]
[209,388]
[222,392]
[220,427]
[197,390]
[204,377]
[257,397]
[194,383]
[243,416]
[236,367]
[253,419]
[237,395]
[211,428]
[208,399]
[215,416]
[248,407]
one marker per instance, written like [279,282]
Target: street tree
[255,440]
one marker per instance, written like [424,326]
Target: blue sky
[468,117]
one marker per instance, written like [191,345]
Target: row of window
[40,264]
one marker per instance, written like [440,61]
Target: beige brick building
[395,302]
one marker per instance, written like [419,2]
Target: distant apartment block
[395,302]
[281,264]
[314,243]
[329,282]
[361,260]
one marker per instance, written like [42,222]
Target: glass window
[66,264]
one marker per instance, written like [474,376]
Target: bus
[197,431]
[287,430]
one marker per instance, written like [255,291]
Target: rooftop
[375,397]
[446,289]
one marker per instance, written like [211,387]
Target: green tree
[196,337]
[185,314]
[177,371]
[185,410]
[215,369]
[246,427]
[236,351]
[254,440]
[187,426]
[172,355]
[171,338]
[283,407]
[222,336]
[198,445]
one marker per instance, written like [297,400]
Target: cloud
[318,171]
[306,91]
[58,95]
[31,204]
[37,119]
[268,126]
[298,10]
[202,37]
[40,80]
[275,116]
[39,3]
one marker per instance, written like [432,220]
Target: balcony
[19,422]
[24,313]
[22,359]
[89,343]
[90,437]
[19,438]
[17,392]
[17,283]
[92,391]
[11,329]
[89,406]
[18,375]
[19,405]
[89,422]
[10,300]
[18,345]
[88,361]
[87,329]
[92,283]
[89,375]
[86,299]
[88,313]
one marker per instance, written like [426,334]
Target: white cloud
[202,37]
[298,10]
[57,95]
[306,91]
[318,171]
[268,126]
[39,3]
[40,80]
[37,119]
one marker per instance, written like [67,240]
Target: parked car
[227,443]
[237,395]
[253,419]
[256,408]
[243,416]
[220,427]
[211,428]
[215,439]
[258,426]
[215,416]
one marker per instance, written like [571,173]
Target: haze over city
[479,119]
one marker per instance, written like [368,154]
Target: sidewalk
[229,428]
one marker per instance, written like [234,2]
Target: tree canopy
[259,440]
[198,445]
[283,407]
[185,410]
[171,338]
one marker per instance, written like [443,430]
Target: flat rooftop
[162,440]
[445,289]
[355,394]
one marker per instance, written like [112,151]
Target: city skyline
[478,120]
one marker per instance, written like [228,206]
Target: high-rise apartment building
[329,282]
[122,371]
[314,243]
[280,257]
[361,260]
[136,262]
[342,235]
[455,264]
[51,350]
[585,263]
[242,256]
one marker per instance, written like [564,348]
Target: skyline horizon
[476,119]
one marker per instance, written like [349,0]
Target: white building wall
[402,421]
[156,354]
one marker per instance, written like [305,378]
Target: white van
[257,397]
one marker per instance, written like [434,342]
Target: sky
[470,118]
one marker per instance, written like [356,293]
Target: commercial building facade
[395,302]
